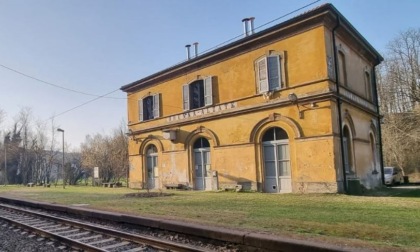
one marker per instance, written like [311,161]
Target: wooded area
[31,153]
[399,95]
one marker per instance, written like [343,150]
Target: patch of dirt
[148,194]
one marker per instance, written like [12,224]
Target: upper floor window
[198,94]
[342,74]
[368,85]
[270,73]
[149,107]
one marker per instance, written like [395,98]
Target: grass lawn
[387,220]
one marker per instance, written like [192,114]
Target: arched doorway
[151,166]
[202,164]
[276,155]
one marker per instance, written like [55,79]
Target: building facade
[292,108]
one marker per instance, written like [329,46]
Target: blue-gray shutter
[186,97]
[274,74]
[262,75]
[208,91]
[140,110]
[156,107]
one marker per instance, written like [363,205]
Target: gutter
[340,116]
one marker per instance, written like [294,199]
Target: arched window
[276,157]
[202,164]
[151,150]
[342,74]
[151,167]
[201,143]
[274,134]
[368,86]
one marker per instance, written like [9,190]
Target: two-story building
[292,108]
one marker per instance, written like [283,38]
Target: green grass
[387,220]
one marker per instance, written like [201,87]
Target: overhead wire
[106,95]
[258,27]
[55,85]
[83,104]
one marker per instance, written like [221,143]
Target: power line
[274,20]
[83,104]
[104,96]
[55,85]
[241,35]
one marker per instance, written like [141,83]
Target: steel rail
[137,240]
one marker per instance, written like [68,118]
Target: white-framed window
[149,107]
[197,94]
[270,73]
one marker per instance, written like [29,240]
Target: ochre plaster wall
[235,78]
[235,130]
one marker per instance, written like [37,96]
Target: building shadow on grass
[410,190]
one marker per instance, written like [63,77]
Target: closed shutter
[186,97]
[274,74]
[208,91]
[262,75]
[156,107]
[140,110]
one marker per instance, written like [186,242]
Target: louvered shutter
[156,106]
[208,91]
[140,110]
[274,74]
[262,75]
[186,96]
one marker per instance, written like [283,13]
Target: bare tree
[399,93]
[26,159]
[40,140]
[95,153]
[2,115]
[119,149]
[109,153]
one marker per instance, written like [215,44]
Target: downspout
[381,158]
[340,119]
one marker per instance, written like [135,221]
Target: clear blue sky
[96,46]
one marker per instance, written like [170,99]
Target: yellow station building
[292,108]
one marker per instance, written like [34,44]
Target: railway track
[86,237]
